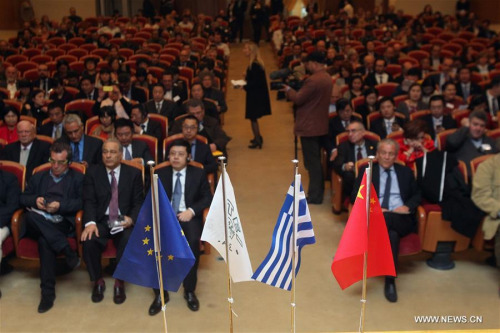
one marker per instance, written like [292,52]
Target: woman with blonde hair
[257,99]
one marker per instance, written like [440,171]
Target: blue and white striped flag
[276,268]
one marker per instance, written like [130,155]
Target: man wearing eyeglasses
[53,198]
[200,151]
[349,152]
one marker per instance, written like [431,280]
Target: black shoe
[390,291]
[314,202]
[45,304]
[119,294]
[156,305]
[5,268]
[192,301]
[98,292]
[257,143]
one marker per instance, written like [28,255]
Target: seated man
[54,128]
[200,152]
[9,202]
[388,123]
[144,125]
[207,81]
[85,149]
[28,151]
[338,125]
[188,202]
[208,127]
[486,195]
[160,105]
[469,142]
[112,198]
[87,88]
[437,121]
[124,129]
[399,196]
[379,75]
[53,198]
[115,99]
[351,151]
[210,107]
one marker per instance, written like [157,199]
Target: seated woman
[451,103]
[106,127]
[10,117]
[414,102]
[414,142]
[370,104]
[35,107]
[483,67]
[59,94]
[355,87]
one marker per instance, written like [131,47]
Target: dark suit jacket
[9,197]
[141,150]
[408,188]
[39,154]
[50,82]
[48,128]
[154,129]
[196,189]
[92,153]
[169,109]
[71,202]
[488,103]
[218,96]
[203,154]
[211,130]
[378,126]
[474,89]
[138,95]
[371,79]
[347,153]
[335,127]
[126,106]
[178,91]
[82,95]
[97,193]
[190,64]
[448,123]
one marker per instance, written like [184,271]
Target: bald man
[28,151]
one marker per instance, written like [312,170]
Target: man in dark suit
[160,105]
[388,123]
[54,128]
[469,142]
[209,127]
[349,152]
[200,152]
[437,121]
[124,130]
[379,75]
[338,124]
[492,97]
[11,82]
[439,79]
[56,194]
[184,60]
[399,195]
[28,151]
[44,82]
[211,108]
[465,87]
[144,125]
[188,189]
[238,9]
[85,149]
[112,198]
[87,89]
[172,92]
[129,91]
[207,81]
[295,55]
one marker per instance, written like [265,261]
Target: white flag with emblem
[240,267]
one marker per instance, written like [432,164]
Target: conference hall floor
[261,179]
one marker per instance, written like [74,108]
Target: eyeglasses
[191,128]
[63,162]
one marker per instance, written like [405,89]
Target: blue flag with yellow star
[138,264]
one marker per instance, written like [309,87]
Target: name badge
[176,98]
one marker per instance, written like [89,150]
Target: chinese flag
[347,266]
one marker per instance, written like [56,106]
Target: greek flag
[276,268]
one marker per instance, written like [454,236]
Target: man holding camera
[311,120]
[53,197]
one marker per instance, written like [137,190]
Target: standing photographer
[311,120]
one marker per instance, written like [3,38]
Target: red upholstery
[410,244]
[7,246]
[27,248]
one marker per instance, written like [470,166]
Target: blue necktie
[128,157]
[387,191]
[76,152]
[176,196]
[193,150]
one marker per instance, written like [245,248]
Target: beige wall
[56,9]
[446,7]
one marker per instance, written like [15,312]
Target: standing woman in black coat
[257,101]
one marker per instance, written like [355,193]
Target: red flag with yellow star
[347,266]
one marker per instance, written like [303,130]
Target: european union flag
[138,264]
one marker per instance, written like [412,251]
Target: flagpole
[369,171]
[229,291]
[156,236]
[294,237]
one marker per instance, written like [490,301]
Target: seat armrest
[16,224]
[78,231]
